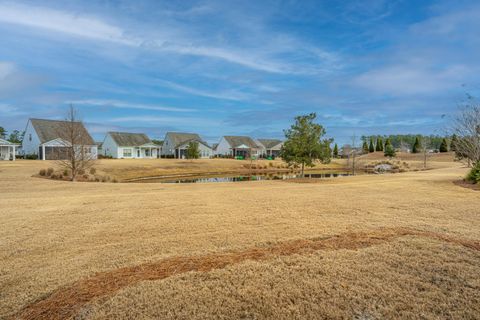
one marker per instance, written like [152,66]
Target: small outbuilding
[7,150]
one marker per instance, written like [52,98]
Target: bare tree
[76,155]
[353,153]
[466,126]
[425,145]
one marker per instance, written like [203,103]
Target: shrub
[270,164]
[65,172]
[85,176]
[81,171]
[31,157]
[93,170]
[54,176]
[49,171]
[114,180]
[42,172]
[474,174]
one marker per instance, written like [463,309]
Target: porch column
[13,148]
[43,152]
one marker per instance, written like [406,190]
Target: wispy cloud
[223,95]
[127,105]
[179,121]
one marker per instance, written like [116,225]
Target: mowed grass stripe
[67,301]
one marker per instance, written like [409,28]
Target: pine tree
[335,151]
[389,149]
[378,146]
[416,146]
[365,147]
[444,146]
[371,148]
[453,143]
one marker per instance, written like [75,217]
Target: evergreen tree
[453,143]
[3,133]
[335,151]
[365,146]
[16,136]
[378,146]
[444,146]
[416,146]
[304,143]
[389,149]
[371,147]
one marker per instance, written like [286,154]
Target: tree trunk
[303,169]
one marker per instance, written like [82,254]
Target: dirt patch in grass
[468,185]
[67,301]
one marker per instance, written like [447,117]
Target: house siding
[31,142]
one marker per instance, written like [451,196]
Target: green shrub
[474,174]
[65,172]
[42,172]
[49,171]
[31,157]
[93,170]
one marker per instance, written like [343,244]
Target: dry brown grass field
[391,246]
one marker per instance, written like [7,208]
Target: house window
[147,153]
[30,137]
[127,152]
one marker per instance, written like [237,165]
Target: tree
[453,142]
[335,151]
[424,145]
[379,145]
[389,149]
[192,152]
[466,127]
[416,146]
[365,147]
[3,132]
[371,147]
[304,144]
[76,155]
[444,146]
[16,136]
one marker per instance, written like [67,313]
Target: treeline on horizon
[406,140]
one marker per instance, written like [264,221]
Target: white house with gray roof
[269,147]
[175,145]
[238,146]
[129,145]
[49,141]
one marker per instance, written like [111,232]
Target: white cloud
[412,79]
[178,121]
[224,95]
[172,39]
[127,105]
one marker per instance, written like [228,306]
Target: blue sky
[239,67]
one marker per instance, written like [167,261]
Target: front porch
[7,150]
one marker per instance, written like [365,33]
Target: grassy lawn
[372,246]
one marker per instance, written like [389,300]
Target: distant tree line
[412,142]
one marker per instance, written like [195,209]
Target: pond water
[257,177]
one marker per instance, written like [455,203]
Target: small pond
[256,177]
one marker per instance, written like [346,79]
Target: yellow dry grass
[57,233]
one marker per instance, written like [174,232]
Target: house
[175,145]
[238,146]
[129,145]
[269,147]
[7,150]
[48,139]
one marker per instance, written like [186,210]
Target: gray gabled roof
[236,141]
[127,139]
[4,142]
[180,138]
[269,143]
[48,130]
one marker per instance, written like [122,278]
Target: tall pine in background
[389,149]
[371,147]
[379,146]
[416,146]
[444,146]
[335,151]
[365,147]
